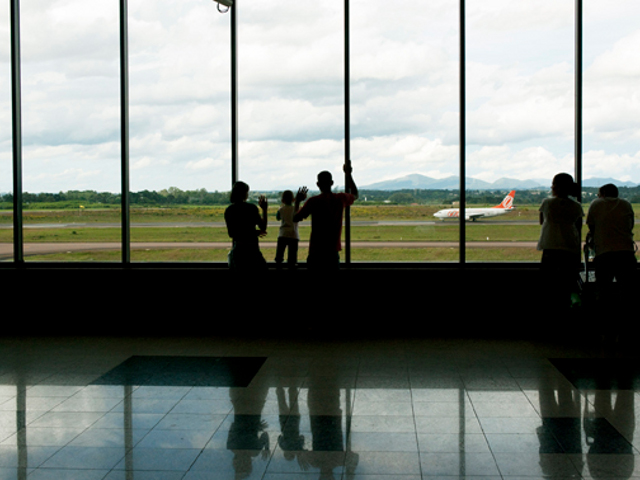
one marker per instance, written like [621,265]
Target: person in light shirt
[560,239]
[288,237]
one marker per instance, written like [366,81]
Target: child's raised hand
[302,194]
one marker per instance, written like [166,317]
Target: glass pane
[520,120]
[6,144]
[179,59]
[611,139]
[71,133]
[405,128]
[611,142]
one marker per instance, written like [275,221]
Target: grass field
[357,255]
[196,225]
[429,233]
[216,214]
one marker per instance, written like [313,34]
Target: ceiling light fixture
[226,3]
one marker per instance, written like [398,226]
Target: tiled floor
[368,410]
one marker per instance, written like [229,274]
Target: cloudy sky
[404,91]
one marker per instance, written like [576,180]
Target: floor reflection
[467,422]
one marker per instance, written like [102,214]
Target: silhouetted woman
[245,225]
[560,238]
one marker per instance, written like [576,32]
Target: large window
[6,170]
[520,118]
[611,74]
[404,126]
[179,111]
[391,101]
[70,127]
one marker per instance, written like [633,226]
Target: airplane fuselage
[472,213]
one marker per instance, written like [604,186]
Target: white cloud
[625,167]
[490,163]
[404,91]
[523,108]
[497,16]
[205,164]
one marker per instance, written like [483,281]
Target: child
[288,236]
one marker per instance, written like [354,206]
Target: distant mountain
[510,183]
[417,181]
[598,182]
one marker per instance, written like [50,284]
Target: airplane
[475,213]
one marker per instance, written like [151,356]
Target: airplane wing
[473,216]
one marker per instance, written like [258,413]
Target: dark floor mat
[183,371]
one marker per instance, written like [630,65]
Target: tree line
[175,197]
[76,198]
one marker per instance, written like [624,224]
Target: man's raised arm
[350,185]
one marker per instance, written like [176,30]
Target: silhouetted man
[610,221]
[326,210]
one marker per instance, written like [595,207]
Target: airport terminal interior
[314,400]
[375,372]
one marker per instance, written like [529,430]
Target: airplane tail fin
[508,200]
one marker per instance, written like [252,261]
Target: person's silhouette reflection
[560,432]
[247,437]
[607,425]
[604,439]
[290,440]
[325,419]
[328,448]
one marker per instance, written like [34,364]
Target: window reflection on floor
[323,413]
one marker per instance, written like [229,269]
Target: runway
[354,223]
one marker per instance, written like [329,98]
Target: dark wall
[487,300]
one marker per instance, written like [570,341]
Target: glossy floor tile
[230,408]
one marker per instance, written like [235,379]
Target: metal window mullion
[234,93]
[124,131]
[18,236]
[462,139]
[347,124]
[578,99]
